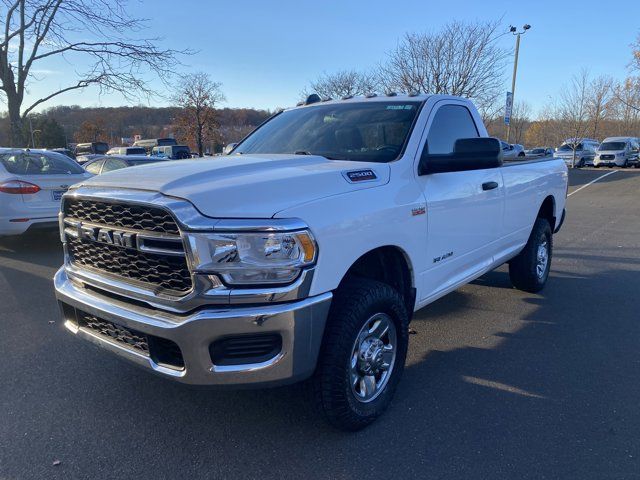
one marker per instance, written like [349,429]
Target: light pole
[517,34]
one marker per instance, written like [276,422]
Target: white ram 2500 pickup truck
[305,251]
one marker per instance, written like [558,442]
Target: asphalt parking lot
[499,383]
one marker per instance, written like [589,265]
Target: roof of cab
[374,98]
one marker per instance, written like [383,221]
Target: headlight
[252,258]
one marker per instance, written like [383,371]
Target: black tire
[523,269]
[354,304]
[522,154]
[626,163]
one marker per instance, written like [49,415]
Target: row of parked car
[612,152]
[155,147]
[33,181]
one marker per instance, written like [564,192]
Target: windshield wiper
[306,152]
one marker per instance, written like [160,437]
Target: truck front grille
[607,157]
[165,271]
[135,217]
[156,271]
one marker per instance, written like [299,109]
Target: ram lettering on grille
[102,248]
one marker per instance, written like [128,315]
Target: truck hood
[246,186]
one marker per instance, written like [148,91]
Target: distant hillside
[116,123]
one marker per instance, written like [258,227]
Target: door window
[450,123]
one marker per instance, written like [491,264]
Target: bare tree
[198,95]
[625,93]
[635,52]
[463,59]
[573,110]
[626,105]
[342,84]
[600,96]
[545,131]
[82,32]
[520,120]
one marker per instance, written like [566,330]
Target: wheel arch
[388,264]
[548,210]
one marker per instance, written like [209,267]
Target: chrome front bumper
[299,323]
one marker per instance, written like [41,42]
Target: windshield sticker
[400,107]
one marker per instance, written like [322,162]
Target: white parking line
[593,181]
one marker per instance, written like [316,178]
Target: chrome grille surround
[132,243]
[207,290]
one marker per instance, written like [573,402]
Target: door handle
[489,185]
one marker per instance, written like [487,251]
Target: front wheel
[362,355]
[529,271]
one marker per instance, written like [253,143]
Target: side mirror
[468,154]
[228,148]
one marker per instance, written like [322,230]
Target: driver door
[464,208]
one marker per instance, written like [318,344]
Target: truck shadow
[42,249]
[487,389]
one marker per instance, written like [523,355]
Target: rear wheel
[362,355]
[529,271]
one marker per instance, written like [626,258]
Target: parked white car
[127,151]
[617,152]
[305,252]
[512,150]
[32,183]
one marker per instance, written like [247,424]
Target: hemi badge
[356,176]
[421,210]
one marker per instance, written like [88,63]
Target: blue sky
[265,52]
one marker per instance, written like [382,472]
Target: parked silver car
[32,183]
[109,163]
[512,150]
[539,152]
[585,152]
[617,152]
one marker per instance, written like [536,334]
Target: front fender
[348,226]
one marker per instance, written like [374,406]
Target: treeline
[61,125]
[585,108]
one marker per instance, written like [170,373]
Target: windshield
[569,147]
[537,150]
[368,132]
[39,164]
[612,146]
